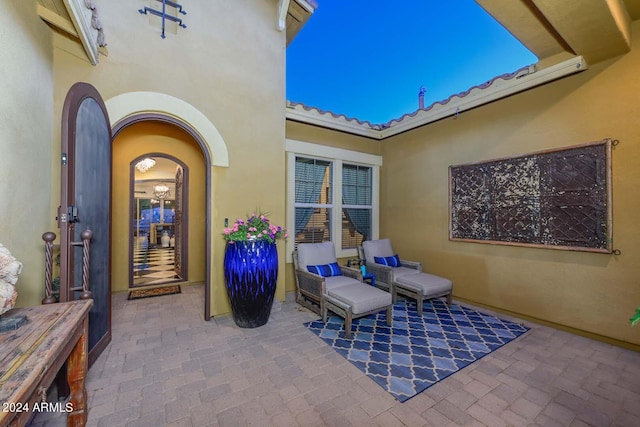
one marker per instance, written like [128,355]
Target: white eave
[313,116]
[79,19]
[498,88]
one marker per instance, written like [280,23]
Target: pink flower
[248,235]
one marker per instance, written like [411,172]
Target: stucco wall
[228,64]
[138,140]
[26,115]
[596,293]
[331,138]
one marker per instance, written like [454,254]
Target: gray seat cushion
[338,281]
[403,271]
[428,283]
[362,298]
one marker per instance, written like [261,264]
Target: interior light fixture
[145,164]
[161,191]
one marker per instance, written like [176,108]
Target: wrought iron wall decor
[558,199]
[164,15]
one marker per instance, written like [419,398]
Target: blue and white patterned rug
[417,352]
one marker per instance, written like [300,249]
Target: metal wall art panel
[558,199]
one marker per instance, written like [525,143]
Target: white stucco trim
[132,103]
[318,150]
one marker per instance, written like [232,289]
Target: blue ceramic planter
[251,273]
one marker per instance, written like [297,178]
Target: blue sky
[368,59]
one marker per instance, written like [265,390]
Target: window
[332,196]
[313,196]
[356,205]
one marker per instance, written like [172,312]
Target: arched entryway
[159,226]
[129,109]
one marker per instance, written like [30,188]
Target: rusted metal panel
[559,199]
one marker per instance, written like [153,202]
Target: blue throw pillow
[391,261]
[329,270]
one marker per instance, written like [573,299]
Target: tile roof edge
[499,87]
[382,126]
[460,95]
[365,124]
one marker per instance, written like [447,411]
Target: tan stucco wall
[331,138]
[596,293]
[229,64]
[26,115]
[153,137]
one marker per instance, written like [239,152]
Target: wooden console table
[31,356]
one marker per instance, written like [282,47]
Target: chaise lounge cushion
[403,271]
[427,283]
[362,298]
[315,254]
[377,248]
[334,282]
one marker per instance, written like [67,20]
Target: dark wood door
[85,204]
[178,222]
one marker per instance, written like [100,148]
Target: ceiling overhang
[293,14]
[77,19]
[594,29]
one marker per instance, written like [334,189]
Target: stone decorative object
[10,269]
[8,296]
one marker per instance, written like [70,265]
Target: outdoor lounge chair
[403,277]
[336,288]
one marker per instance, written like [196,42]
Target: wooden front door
[85,204]
[178,222]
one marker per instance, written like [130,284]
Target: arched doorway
[159,220]
[134,107]
[169,143]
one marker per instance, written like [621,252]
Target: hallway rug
[417,351]
[147,293]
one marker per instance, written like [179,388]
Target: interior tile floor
[166,366]
[153,265]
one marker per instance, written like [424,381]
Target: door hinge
[61,217]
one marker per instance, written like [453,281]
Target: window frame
[337,156]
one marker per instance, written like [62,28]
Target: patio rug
[417,352]
[154,292]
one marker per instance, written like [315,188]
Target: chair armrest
[411,264]
[311,283]
[354,273]
[384,274]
